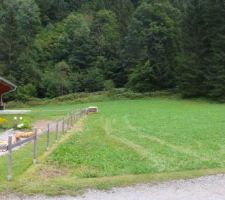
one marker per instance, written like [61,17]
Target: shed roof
[6,86]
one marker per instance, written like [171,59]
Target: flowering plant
[3,121]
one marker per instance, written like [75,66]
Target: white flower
[21,118]
[15,118]
[20,125]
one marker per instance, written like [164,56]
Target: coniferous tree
[111,43]
[151,44]
[20,23]
[215,36]
[106,36]
[192,70]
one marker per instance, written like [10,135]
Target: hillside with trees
[56,47]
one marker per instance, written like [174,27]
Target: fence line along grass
[18,161]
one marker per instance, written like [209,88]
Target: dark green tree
[92,80]
[20,23]
[56,10]
[74,44]
[9,43]
[192,71]
[107,39]
[151,43]
[57,82]
[215,48]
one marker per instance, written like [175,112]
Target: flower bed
[15,122]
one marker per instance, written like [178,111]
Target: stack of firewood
[20,135]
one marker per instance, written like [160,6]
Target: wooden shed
[5,87]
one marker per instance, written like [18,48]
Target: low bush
[84,97]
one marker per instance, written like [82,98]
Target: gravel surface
[205,188]
[14,112]
[4,138]
[40,125]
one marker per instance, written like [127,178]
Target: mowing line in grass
[132,141]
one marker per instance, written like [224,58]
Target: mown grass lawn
[133,140]
[147,136]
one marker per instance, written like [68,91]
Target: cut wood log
[20,135]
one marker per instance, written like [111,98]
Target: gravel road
[205,188]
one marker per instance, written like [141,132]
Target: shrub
[25,125]
[3,121]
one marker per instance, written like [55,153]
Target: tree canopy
[51,48]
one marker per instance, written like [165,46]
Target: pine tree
[216,48]
[19,23]
[192,70]
[151,43]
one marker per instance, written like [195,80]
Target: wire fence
[39,141]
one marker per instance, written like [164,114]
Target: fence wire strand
[22,155]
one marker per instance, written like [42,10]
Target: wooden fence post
[75,117]
[71,121]
[35,147]
[68,123]
[63,126]
[57,131]
[48,136]
[9,158]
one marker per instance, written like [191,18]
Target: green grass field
[134,137]
[131,141]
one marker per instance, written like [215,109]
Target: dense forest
[55,47]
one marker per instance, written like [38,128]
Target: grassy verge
[22,158]
[69,185]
